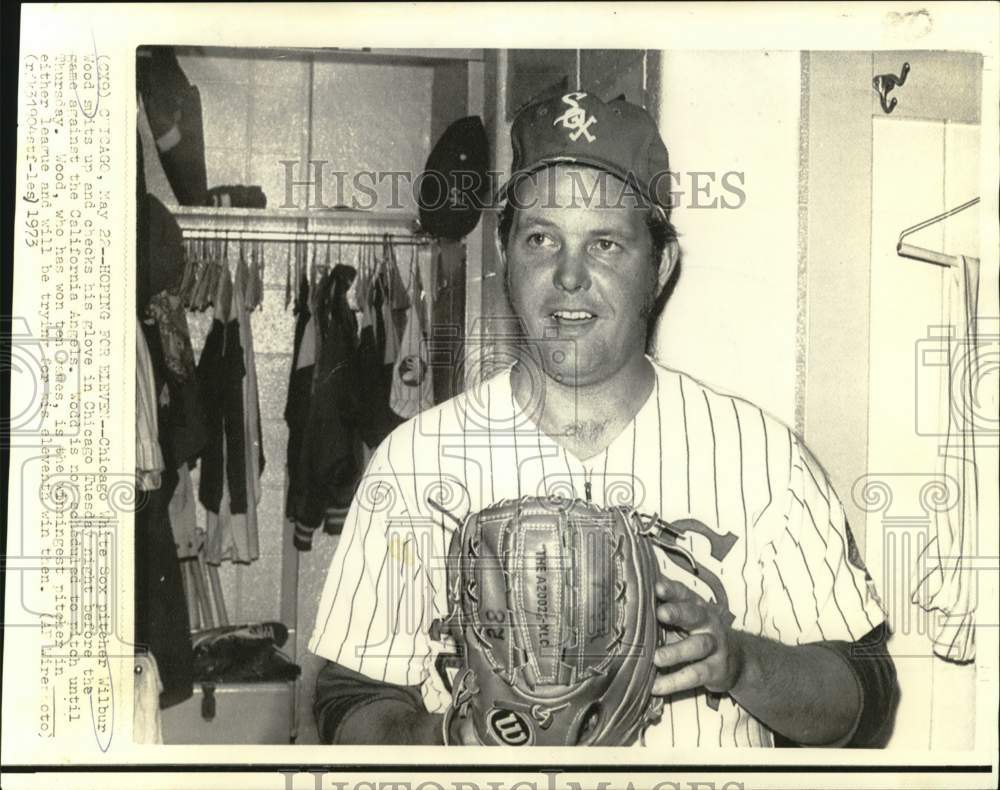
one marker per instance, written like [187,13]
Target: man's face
[581,270]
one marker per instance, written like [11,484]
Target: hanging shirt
[233,459]
[374,417]
[148,456]
[412,377]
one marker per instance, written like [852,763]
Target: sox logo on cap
[575,118]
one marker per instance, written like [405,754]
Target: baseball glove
[552,609]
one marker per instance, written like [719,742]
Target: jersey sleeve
[816,587]
[378,598]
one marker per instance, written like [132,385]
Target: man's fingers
[692,648]
[467,733]
[690,677]
[681,614]
[669,590]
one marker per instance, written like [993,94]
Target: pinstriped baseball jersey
[765,528]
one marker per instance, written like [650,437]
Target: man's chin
[573,362]
[574,373]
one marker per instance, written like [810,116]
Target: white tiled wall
[257,114]
[738,263]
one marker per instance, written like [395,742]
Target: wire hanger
[930,256]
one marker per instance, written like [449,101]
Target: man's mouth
[572,316]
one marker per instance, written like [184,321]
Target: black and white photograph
[579,395]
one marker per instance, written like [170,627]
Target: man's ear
[668,262]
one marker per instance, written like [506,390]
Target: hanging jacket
[326,469]
[161,613]
[220,375]
[232,527]
[173,107]
[160,624]
[185,428]
[374,417]
[297,404]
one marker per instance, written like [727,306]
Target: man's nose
[571,273]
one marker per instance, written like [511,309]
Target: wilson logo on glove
[509,727]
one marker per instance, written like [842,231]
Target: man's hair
[661,230]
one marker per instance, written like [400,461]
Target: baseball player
[769,618]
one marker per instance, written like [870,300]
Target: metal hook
[884,85]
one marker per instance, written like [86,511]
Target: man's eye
[607,245]
[537,240]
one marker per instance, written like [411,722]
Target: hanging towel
[948,582]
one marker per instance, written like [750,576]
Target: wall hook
[884,84]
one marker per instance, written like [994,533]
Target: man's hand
[463,733]
[807,693]
[710,654]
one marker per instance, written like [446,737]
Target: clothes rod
[317,237]
[930,256]
[927,256]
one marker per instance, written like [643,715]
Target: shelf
[297,221]
[221,216]
[375,55]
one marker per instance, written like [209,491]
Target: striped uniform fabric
[778,533]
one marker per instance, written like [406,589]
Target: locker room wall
[731,320]
[262,109]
